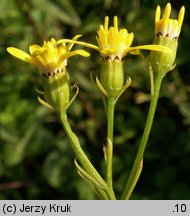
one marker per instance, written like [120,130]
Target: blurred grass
[36,161]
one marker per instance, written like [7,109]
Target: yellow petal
[53,41]
[39,51]
[166,17]
[79,43]
[181,17]
[81,52]
[115,22]
[70,41]
[19,54]
[34,48]
[69,46]
[107,51]
[159,48]
[167,12]
[106,23]
[157,16]
[70,54]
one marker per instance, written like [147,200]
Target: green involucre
[163,62]
[57,90]
[112,76]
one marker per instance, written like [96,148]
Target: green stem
[85,162]
[109,152]
[137,166]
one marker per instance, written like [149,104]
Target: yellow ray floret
[167,27]
[51,58]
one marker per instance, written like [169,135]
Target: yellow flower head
[51,58]
[113,43]
[166,27]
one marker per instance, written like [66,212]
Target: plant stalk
[138,164]
[85,162]
[109,152]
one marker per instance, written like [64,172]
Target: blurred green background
[36,160]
